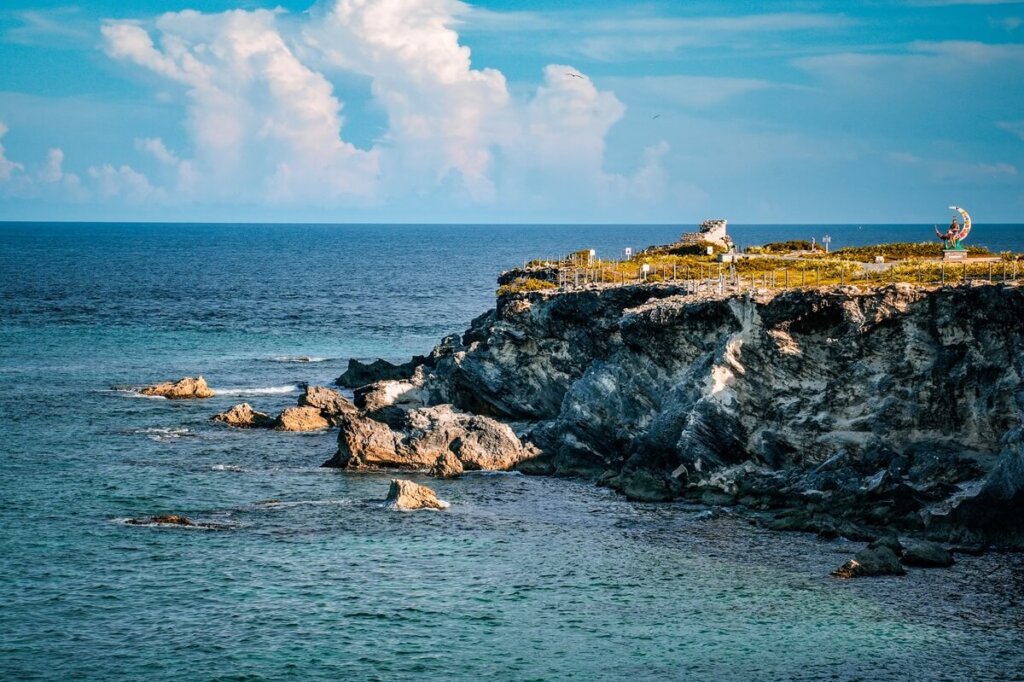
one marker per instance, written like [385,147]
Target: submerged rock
[924,554]
[183,389]
[301,419]
[167,520]
[407,495]
[331,404]
[873,561]
[244,417]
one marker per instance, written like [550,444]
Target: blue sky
[501,111]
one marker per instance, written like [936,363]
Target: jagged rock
[447,466]
[870,407]
[873,561]
[427,434]
[409,496]
[243,416]
[183,389]
[360,374]
[301,419]
[926,554]
[330,403]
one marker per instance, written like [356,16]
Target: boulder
[478,443]
[244,417]
[331,404]
[924,554]
[301,419]
[360,374]
[183,389]
[447,466]
[873,561]
[408,495]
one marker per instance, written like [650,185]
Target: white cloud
[687,92]
[1013,127]
[265,123]
[123,182]
[262,123]
[7,167]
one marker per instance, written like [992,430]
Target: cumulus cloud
[261,122]
[264,120]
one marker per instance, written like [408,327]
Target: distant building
[712,232]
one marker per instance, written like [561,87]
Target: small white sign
[646,268]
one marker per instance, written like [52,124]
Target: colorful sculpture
[956,232]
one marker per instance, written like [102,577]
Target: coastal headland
[865,403]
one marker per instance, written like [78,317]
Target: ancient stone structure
[711,232]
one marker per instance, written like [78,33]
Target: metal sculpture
[956,232]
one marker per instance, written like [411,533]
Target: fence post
[787,278]
[965,272]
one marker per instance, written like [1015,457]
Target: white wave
[131,393]
[298,358]
[162,434]
[282,504]
[196,525]
[227,467]
[265,390]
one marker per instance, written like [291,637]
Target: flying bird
[655,116]
[574,75]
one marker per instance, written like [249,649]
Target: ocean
[311,578]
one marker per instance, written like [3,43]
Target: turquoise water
[522,578]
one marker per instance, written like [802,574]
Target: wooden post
[990,272]
[942,273]
[965,272]
[787,278]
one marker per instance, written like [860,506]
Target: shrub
[525,284]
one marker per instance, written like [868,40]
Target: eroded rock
[407,495]
[426,435]
[301,419]
[244,417]
[183,389]
[331,404]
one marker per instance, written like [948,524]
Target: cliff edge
[837,410]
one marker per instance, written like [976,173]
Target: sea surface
[310,578]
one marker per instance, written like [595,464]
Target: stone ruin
[711,231]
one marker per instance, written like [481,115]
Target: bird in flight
[655,116]
[573,75]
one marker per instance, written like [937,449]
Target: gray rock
[924,554]
[873,561]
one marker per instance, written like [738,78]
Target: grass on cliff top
[524,284]
[901,251]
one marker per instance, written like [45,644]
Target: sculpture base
[954,255]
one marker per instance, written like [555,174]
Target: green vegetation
[902,251]
[786,247]
[524,284]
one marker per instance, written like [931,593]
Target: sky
[442,111]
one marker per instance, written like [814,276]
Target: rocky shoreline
[847,412]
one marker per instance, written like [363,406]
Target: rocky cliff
[837,410]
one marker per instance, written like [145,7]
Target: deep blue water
[523,578]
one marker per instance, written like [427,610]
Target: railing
[744,275]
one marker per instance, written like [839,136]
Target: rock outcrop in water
[301,419]
[331,404]
[838,410]
[242,416]
[428,438]
[410,496]
[183,389]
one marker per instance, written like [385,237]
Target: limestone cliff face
[898,407]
